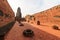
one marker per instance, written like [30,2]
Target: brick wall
[8,14]
[47,16]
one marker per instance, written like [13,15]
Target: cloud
[32,6]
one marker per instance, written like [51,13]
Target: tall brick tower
[6,13]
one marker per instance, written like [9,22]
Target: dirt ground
[16,33]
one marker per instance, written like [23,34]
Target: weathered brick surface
[47,16]
[8,14]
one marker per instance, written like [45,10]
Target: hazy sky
[32,6]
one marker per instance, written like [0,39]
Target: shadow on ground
[5,29]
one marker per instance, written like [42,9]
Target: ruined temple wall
[8,8]
[8,14]
[48,16]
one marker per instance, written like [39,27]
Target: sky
[29,7]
